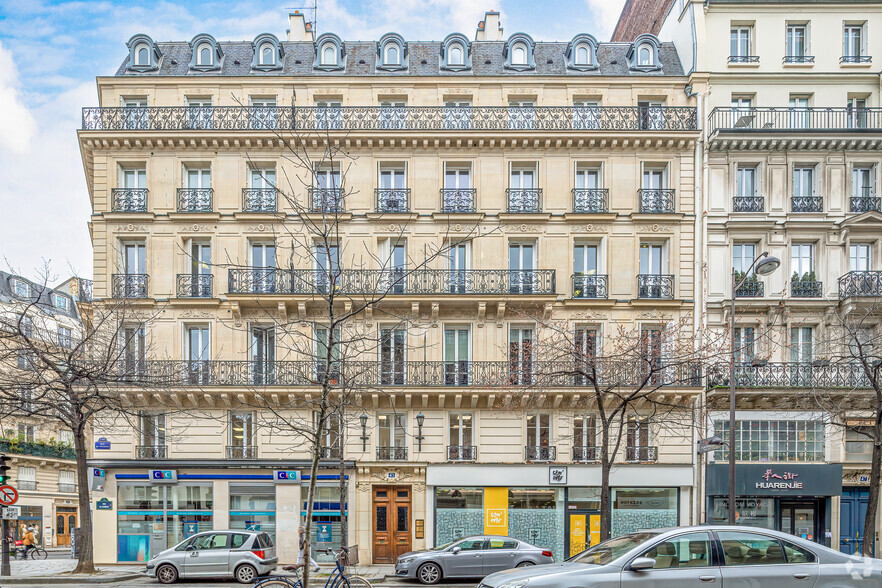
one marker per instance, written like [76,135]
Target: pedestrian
[28,542]
[300,556]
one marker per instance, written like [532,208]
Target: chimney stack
[489,29]
[299,29]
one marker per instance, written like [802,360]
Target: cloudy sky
[50,53]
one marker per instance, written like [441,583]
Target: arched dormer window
[268,53]
[391,52]
[643,53]
[206,54]
[144,55]
[518,52]
[582,53]
[456,53]
[329,53]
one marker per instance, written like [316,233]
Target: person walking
[302,542]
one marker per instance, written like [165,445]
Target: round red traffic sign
[8,495]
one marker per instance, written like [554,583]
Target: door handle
[707,578]
[477,556]
[801,576]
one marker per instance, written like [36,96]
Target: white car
[243,555]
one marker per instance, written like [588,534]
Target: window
[683,551]
[863,183]
[458,265]
[329,54]
[323,346]
[856,113]
[654,178]
[327,266]
[580,53]
[456,356]
[519,54]
[392,430]
[520,355]
[801,339]
[241,429]
[644,55]
[802,261]
[267,54]
[797,43]
[539,430]
[853,43]
[743,255]
[461,433]
[197,353]
[204,54]
[457,194]
[455,55]
[859,257]
[392,356]
[637,440]
[20,288]
[803,181]
[65,337]
[61,302]
[652,259]
[523,194]
[142,55]
[152,431]
[859,443]
[66,437]
[745,345]
[585,432]
[583,55]
[799,112]
[262,354]
[774,440]
[26,433]
[392,55]
[521,263]
[391,52]
[751,549]
[739,44]
[27,476]
[331,432]
[745,181]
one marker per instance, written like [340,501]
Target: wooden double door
[65,523]
[391,524]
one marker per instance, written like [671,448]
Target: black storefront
[793,498]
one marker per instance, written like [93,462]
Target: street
[392,583]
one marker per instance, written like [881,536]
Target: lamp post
[420,418]
[364,437]
[764,265]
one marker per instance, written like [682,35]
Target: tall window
[329,54]
[392,430]
[323,347]
[327,266]
[652,259]
[456,356]
[520,355]
[803,181]
[539,430]
[204,54]
[739,44]
[134,350]
[134,258]
[65,337]
[856,113]
[200,269]
[142,55]
[457,195]
[392,355]
[585,431]
[745,181]
[637,439]
[519,54]
[743,255]
[330,434]
[781,440]
[802,261]
[262,354]
[583,55]
[653,178]
[26,433]
[241,436]
[267,54]
[745,345]
[860,257]
[852,41]
[521,263]
[393,55]
[152,430]
[585,355]
[796,41]
[197,181]
[862,183]
[585,260]
[461,430]
[197,352]
[644,55]
[801,340]
[455,55]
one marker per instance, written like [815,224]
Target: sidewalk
[57,571]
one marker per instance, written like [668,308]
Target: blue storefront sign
[190,528]
[323,533]
[286,477]
[102,443]
[164,476]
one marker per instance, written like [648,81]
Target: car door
[209,556]
[756,559]
[468,561]
[500,554]
[682,561]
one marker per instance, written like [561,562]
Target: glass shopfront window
[459,512]
[253,508]
[583,499]
[643,508]
[31,516]
[536,515]
[326,519]
[137,497]
[752,512]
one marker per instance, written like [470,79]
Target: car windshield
[605,552]
[444,546]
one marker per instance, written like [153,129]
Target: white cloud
[17,124]
[607,14]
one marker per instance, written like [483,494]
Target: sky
[51,52]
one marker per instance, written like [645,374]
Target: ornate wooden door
[391,524]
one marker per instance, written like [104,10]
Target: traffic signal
[4,469]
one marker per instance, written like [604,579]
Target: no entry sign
[8,495]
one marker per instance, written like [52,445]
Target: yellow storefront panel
[496,511]
[577,533]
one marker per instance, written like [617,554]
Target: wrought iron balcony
[590,200]
[391,453]
[540,453]
[408,118]
[819,374]
[241,452]
[524,199]
[67,488]
[750,289]
[150,452]
[855,59]
[748,204]
[794,119]
[462,453]
[744,59]
[128,200]
[455,200]
[195,199]
[641,454]
[865,203]
[586,454]
[326,200]
[807,204]
[195,285]
[860,284]
[259,199]
[331,453]
[84,290]
[799,59]
[26,484]
[806,289]
[392,199]
[593,286]
[657,200]
[655,286]
[129,285]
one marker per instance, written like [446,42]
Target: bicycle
[35,553]
[337,579]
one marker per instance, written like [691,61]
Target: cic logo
[162,475]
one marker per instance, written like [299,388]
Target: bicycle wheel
[358,582]
[277,582]
[39,553]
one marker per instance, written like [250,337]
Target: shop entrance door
[391,523]
[799,518]
[65,523]
[583,530]
[852,510]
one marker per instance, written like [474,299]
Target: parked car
[243,555]
[471,557]
[701,556]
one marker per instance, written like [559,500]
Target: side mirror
[642,563]
[456,550]
[190,548]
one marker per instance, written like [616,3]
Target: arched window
[644,55]
[329,54]
[583,55]
[519,55]
[204,54]
[392,54]
[455,55]
[142,55]
[267,55]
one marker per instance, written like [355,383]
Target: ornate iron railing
[524,199]
[807,289]
[129,285]
[807,204]
[458,200]
[540,453]
[241,451]
[794,119]
[84,290]
[593,286]
[462,453]
[150,452]
[819,374]
[860,284]
[855,59]
[657,200]
[748,204]
[390,281]
[641,454]
[799,59]
[68,488]
[392,199]
[590,200]
[326,199]
[655,286]
[744,59]
[26,484]
[750,289]
[861,204]
[128,200]
[195,199]
[586,454]
[409,118]
[391,453]
[195,285]
[259,199]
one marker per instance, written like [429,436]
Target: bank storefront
[555,507]
[793,498]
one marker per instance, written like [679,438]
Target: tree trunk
[310,498]
[605,507]
[873,498]
[86,563]
[344,515]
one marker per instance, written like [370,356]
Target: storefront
[793,498]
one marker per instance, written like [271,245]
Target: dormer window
[20,288]
[643,53]
[329,53]
[455,55]
[206,53]
[518,52]
[61,302]
[268,53]
[392,55]
[391,52]
[144,55]
[581,53]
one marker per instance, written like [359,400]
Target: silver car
[243,555]
[472,557]
[731,557]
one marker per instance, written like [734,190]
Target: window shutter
[26,474]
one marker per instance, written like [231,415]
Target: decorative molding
[195,228]
[587,315]
[523,228]
[130,228]
[192,313]
[591,228]
[260,228]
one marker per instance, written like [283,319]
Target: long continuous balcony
[860,284]
[423,281]
[590,200]
[794,119]
[817,374]
[128,200]
[408,118]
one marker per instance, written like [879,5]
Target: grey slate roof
[361,58]
[40,292]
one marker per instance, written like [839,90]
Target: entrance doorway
[391,523]
[799,518]
[65,523]
[852,510]
[583,530]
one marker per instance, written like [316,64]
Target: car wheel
[167,574]
[525,564]
[246,574]
[429,573]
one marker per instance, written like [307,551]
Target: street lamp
[420,419]
[764,265]
[364,437]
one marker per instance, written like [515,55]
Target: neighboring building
[575,160]
[640,17]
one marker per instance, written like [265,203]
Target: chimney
[299,29]
[489,29]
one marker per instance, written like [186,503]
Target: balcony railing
[750,289]
[799,59]
[807,204]
[540,453]
[641,454]
[423,281]
[748,204]
[593,286]
[855,59]
[586,454]
[391,453]
[655,286]
[794,119]
[392,199]
[865,202]
[128,200]
[195,199]
[331,453]
[194,285]
[819,374]
[455,200]
[84,290]
[657,200]
[26,484]
[590,200]
[860,284]
[744,59]
[241,452]
[326,200]
[524,199]
[462,453]
[67,488]
[129,285]
[151,452]
[259,199]
[408,118]
[806,289]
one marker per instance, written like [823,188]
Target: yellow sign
[496,511]
[577,533]
[594,529]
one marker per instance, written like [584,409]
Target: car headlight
[514,584]
[406,560]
